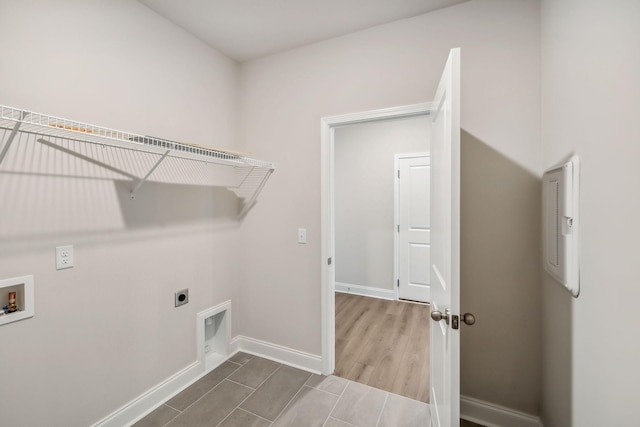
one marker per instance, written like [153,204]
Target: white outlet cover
[302,235]
[64,257]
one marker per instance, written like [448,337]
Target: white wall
[591,105]
[283,98]
[106,331]
[364,196]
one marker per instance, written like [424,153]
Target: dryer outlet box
[181,297]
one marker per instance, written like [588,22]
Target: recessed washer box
[23,287]
[181,297]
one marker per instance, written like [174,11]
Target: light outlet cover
[64,257]
[302,235]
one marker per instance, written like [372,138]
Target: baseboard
[491,415]
[288,356]
[156,396]
[365,291]
[153,398]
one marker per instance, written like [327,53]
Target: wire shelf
[67,136]
[56,127]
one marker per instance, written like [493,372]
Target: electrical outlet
[181,297]
[302,235]
[64,257]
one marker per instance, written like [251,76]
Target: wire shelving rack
[157,159]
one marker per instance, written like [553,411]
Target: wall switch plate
[64,257]
[302,235]
[181,297]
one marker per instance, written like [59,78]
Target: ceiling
[249,29]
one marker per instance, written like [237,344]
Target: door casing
[327,185]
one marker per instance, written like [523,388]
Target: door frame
[396,212]
[327,214]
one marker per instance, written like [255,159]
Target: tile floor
[249,391]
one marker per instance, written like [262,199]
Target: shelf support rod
[13,134]
[249,204]
[246,176]
[143,180]
[86,158]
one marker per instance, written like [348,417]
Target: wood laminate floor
[384,344]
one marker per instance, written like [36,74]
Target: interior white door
[414,234]
[445,254]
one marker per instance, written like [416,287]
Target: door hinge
[398,282]
[398,173]
[455,322]
[329,261]
[398,228]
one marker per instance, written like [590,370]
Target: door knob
[468,319]
[438,316]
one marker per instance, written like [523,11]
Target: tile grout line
[384,404]
[322,391]
[243,385]
[270,375]
[212,388]
[342,421]
[176,416]
[292,399]
[238,407]
[250,394]
[336,404]
[255,415]
[195,401]
[166,404]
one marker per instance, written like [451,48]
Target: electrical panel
[560,223]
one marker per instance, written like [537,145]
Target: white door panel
[414,234]
[445,256]
[419,258]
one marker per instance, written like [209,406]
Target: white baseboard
[491,415]
[153,398]
[288,356]
[365,291]
[156,396]
[478,411]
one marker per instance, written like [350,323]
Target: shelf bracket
[139,181]
[86,158]
[12,136]
[246,176]
[249,204]
[143,180]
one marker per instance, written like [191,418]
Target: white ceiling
[249,29]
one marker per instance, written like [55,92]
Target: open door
[445,242]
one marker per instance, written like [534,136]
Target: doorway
[330,126]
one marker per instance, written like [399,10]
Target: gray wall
[100,61]
[499,262]
[106,331]
[283,98]
[591,105]
[364,196]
